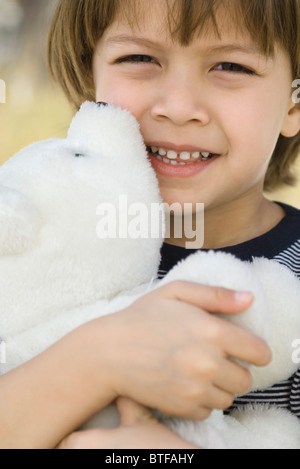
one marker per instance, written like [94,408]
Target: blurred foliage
[47,115]
[288,195]
[34,109]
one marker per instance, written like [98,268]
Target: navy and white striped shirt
[282,244]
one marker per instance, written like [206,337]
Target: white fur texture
[61,262]
[57,274]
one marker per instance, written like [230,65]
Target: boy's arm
[53,394]
[164,351]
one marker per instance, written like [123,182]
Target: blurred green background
[35,109]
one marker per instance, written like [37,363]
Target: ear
[19,222]
[291,125]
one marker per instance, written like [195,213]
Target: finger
[229,339]
[239,343]
[132,412]
[217,398]
[88,439]
[212,299]
[234,379]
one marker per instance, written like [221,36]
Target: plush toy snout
[54,197]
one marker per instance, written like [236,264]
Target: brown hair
[78,25]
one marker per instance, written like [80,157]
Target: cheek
[254,130]
[113,89]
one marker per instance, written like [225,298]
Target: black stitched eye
[79,155]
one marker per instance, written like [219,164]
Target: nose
[181,101]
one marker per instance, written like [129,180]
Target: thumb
[132,412]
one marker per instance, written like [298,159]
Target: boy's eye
[137,58]
[233,67]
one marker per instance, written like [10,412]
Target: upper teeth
[184,156]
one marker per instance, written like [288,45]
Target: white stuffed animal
[58,272]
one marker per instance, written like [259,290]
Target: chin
[182,197]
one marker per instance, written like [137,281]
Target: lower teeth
[177,163]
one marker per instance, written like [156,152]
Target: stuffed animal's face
[54,196]
[103,158]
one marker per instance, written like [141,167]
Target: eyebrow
[245,49]
[142,41]
[121,39]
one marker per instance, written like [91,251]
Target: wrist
[111,353]
[93,362]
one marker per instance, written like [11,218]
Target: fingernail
[243,296]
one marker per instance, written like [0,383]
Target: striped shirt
[281,244]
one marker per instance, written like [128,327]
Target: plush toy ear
[19,222]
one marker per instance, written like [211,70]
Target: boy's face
[217,95]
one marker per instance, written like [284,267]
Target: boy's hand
[138,430]
[167,352]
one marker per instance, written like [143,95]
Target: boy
[210,84]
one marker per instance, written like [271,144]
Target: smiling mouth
[179,159]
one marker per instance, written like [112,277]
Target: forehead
[181,21]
